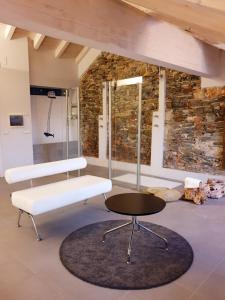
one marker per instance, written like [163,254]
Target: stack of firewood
[194,190]
[198,192]
[216,188]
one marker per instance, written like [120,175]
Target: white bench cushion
[44,169]
[40,199]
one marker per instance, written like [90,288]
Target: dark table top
[135,204]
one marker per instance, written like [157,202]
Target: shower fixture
[51,95]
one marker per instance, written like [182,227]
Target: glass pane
[124,133]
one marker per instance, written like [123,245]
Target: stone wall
[194,128]
[109,67]
[124,123]
[194,131]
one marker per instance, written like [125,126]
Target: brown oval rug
[104,264]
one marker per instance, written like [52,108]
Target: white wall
[16,143]
[20,67]
[1,158]
[46,70]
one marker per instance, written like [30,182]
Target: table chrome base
[134,223]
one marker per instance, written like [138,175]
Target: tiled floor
[32,270]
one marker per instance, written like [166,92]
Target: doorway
[55,122]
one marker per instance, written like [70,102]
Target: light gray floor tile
[170,291]
[212,288]
[32,270]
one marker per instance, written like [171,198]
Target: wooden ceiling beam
[38,40]
[9,31]
[81,55]
[145,10]
[214,4]
[220,46]
[202,18]
[113,26]
[61,48]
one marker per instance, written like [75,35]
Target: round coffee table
[135,204]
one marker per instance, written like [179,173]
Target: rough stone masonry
[194,127]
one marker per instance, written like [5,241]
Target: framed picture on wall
[16,120]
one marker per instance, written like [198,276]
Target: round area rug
[104,264]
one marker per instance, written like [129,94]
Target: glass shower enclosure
[123,108]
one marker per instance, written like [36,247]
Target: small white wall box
[16,120]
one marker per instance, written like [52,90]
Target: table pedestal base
[134,223]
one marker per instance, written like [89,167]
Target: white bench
[40,199]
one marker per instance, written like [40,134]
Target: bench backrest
[44,169]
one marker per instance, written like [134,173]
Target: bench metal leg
[105,197]
[35,227]
[85,201]
[32,219]
[19,217]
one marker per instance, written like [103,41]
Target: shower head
[51,94]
